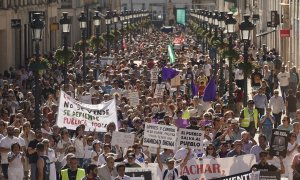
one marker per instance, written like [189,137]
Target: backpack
[166,171]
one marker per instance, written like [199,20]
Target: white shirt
[283,78]
[277,104]
[79,146]
[125,177]
[170,174]
[17,162]
[6,142]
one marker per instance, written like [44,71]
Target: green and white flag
[171,54]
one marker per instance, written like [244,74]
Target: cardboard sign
[279,142]
[159,90]
[156,134]
[175,81]
[134,98]
[122,139]
[87,99]
[197,169]
[72,113]
[143,171]
[191,138]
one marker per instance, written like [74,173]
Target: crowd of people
[54,152]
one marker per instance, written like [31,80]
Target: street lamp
[65,22]
[246,27]
[221,20]
[215,25]
[108,23]
[230,23]
[116,20]
[37,32]
[122,19]
[97,23]
[83,26]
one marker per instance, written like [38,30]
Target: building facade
[15,32]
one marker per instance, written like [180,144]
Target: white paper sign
[134,98]
[154,74]
[122,139]
[191,138]
[72,113]
[159,90]
[156,134]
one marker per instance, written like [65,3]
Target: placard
[72,113]
[159,90]
[243,176]
[87,99]
[140,175]
[150,167]
[134,98]
[175,81]
[154,74]
[163,135]
[122,139]
[190,138]
[279,142]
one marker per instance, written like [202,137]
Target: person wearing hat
[264,165]
[171,172]
[131,161]
[249,118]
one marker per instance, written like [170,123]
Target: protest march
[152,112]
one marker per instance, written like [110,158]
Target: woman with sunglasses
[210,152]
[285,125]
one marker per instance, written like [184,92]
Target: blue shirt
[260,100]
[268,123]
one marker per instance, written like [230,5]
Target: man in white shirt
[121,172]
[283,78]
[277,104]
[207,69]
[5,147]
[239,78]
[171,172]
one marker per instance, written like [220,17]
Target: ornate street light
[116,20]
[37,27]
[65,22]
[83,26]
[97,23]
[230,23]
[108,23]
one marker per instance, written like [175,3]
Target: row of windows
[16,3]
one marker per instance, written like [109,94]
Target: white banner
[156,134]
[217,168]
[191,138]
[153,167]
[72,113]
[134,98]
[122,139]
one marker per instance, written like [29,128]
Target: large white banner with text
[72,113]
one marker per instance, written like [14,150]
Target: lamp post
[122,18]
[230,27]
[206,27]
[65,22]
[215,25]
[83,25]
[246,27]
[97,23]
[107,22]
[116,20]
[37,31]
[221,20]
